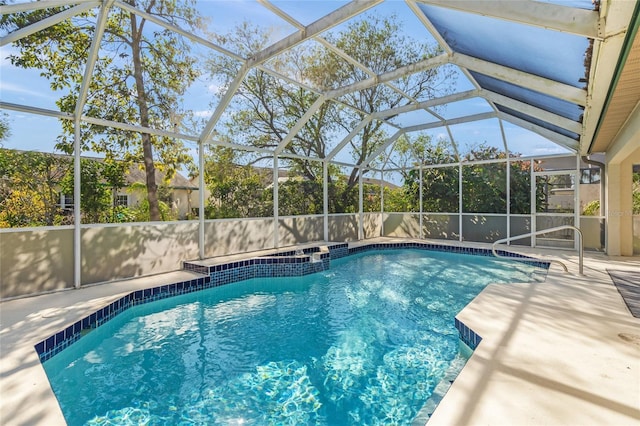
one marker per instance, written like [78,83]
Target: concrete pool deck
[562,352]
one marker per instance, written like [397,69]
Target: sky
[34,132]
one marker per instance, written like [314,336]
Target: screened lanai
[490,119]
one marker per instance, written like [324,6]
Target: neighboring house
[134,190]
[181,189]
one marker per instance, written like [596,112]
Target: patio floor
[565,351]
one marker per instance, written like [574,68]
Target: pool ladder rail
[577,234]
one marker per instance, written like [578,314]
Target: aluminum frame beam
[565,19]
[326,22]
[532,111]
[557,138]
[38,5]
[540,84]
[46,23]
[299,124]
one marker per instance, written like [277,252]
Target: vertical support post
[420,201]
[360,205]
[508,177]
[576,201]
[201,199]
[460,236]
[533,200]
[276,219]
[325,199]
[508,174]
[77,216]
[77,146]
[381,205]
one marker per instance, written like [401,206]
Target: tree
[99,182]
[30,188]
[140,75]
[484,184]
[266,108]
[5,131]
[235,190]
[439,185]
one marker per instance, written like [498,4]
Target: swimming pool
[366,341]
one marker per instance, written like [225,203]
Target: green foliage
[396,200]
[439,186]
[267,107]
[484,185]
[29,188]
[140,212]
[94,195]
[484,188]
[592,208]
[5,131]
[100,181]
[299,197]
[235,190]
[139,78]
[520,190]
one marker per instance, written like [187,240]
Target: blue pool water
[365,342]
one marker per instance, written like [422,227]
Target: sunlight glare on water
[365,342]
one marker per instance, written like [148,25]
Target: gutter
[634,24]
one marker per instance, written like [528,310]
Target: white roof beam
[562,140]
[47,22]
[326,22]
[35,110]
[92,58]
[571,20]
[224,103]
[521,78]
[93,120]
[381,148]
[532,111]
[37,5]
[348,138]
[282,14]
[428,104]
[451,122]
[299,124]
[604,64]
[429,26]
[389,76]
[331,46]
[156,20]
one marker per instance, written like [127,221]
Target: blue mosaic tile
[284,264]
[467,335]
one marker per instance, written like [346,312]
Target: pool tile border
[52,345]
[283,264]
[467,335]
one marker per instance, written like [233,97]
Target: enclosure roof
[545,66]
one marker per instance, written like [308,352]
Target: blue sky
[33,132]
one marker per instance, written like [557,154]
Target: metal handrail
[578,233]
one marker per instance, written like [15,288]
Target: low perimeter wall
[37,260]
